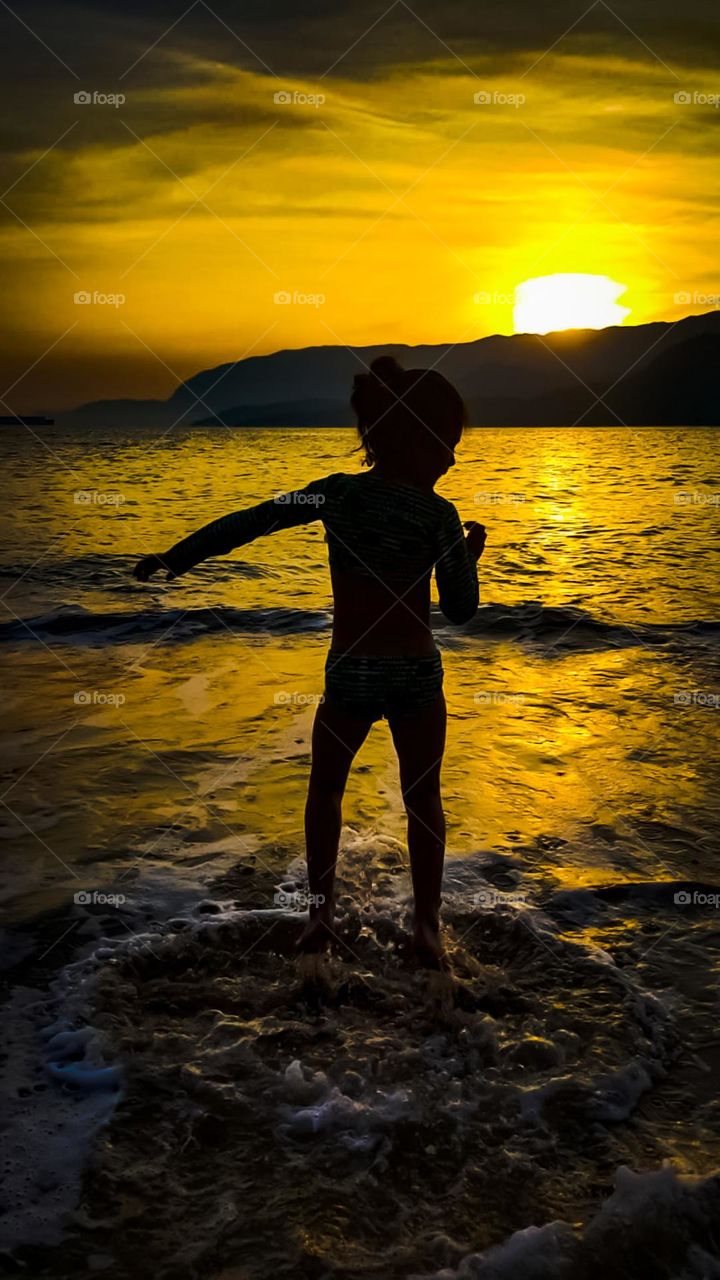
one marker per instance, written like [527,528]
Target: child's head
[409,419]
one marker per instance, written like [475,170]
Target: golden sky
[398,209]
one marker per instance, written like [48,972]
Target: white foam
[393,1063]
[659,1213]
[357,1123]
[48,1129]
[535,1253]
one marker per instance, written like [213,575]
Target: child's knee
[423,793]
[326,783]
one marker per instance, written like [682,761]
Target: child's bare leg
[420,743]
[336,739]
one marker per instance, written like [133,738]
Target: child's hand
[149,565]
[475,537]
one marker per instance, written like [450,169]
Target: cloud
[314,37]
[399,192]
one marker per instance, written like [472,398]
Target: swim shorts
[392,686]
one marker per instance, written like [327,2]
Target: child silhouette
[387,530]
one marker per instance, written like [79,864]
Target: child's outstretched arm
[456,567]
[223,535]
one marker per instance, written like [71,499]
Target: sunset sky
[398,209]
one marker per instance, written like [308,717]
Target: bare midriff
[378,619]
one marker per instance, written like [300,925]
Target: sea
[183,1096]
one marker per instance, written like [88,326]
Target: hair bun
[387,370]
[375,390]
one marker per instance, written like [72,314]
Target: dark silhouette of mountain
[284,413]
[120,413]
[524,380]
[679,388]
[682,386]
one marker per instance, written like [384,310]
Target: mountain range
[651,374]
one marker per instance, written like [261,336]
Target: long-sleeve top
[395,533]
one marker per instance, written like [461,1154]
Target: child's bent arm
[456,572]
[240,527]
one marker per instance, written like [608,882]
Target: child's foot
[316,935]
[427,945]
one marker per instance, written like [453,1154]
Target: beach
[233,1114]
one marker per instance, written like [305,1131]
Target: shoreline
[365,982]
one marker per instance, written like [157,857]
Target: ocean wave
[553,628]
[588,903]
[568,627]
[76,625]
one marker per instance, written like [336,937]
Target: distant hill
[283,413]
[661,373]
[680,387]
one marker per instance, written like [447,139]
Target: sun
[567,301]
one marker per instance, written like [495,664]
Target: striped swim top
[393,533]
